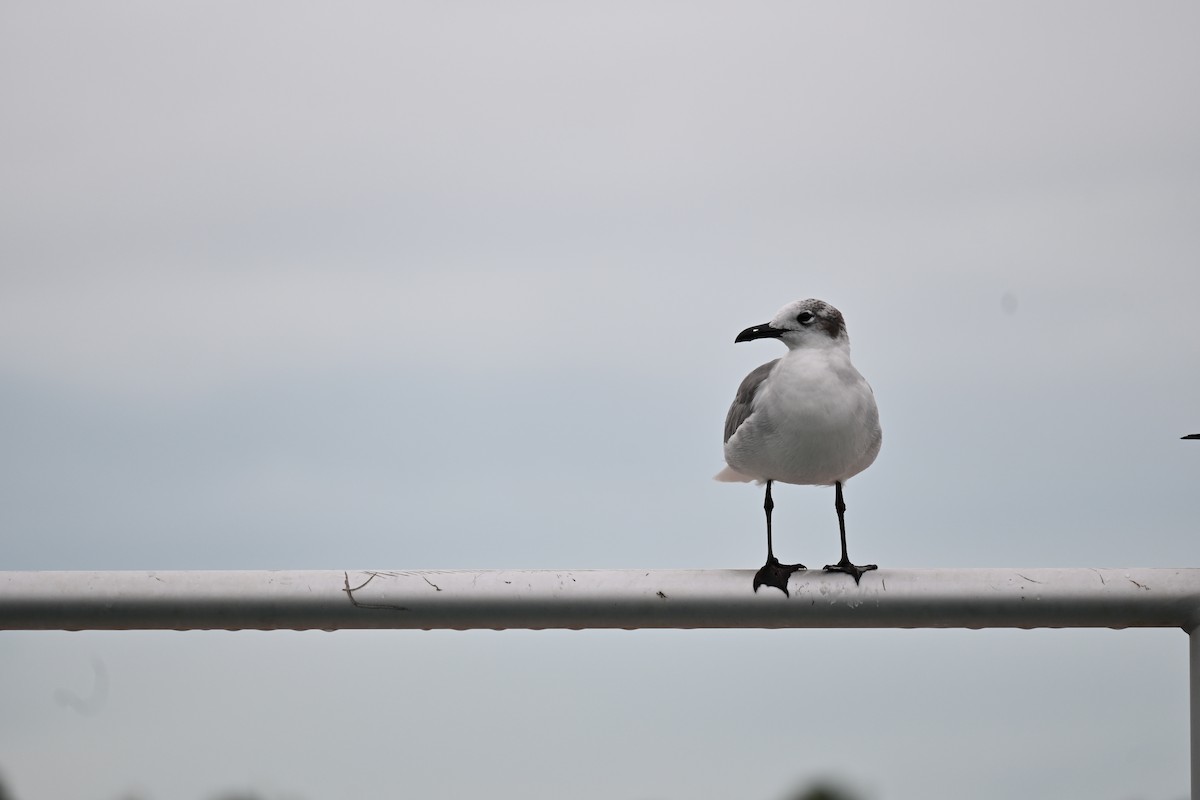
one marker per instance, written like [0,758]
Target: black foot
[850,569]
[775,574]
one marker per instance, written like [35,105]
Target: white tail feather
[731,475]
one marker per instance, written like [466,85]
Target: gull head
[804,323]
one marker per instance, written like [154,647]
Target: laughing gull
[808,418]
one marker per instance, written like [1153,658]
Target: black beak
[764,331]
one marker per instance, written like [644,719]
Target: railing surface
[463,599]
[576,599]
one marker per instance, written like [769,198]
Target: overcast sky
[434,285]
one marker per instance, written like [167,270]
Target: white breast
[814,421]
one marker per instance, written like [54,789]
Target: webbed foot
[853,570]
[775,574]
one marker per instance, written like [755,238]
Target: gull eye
[805,317]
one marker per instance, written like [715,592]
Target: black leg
[773,573]
[844,565]
[768,507]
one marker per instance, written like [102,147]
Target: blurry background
[423,285]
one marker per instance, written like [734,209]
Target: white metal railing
[576,599]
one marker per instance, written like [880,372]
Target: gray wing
[743,403]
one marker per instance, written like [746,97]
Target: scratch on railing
[382,606]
